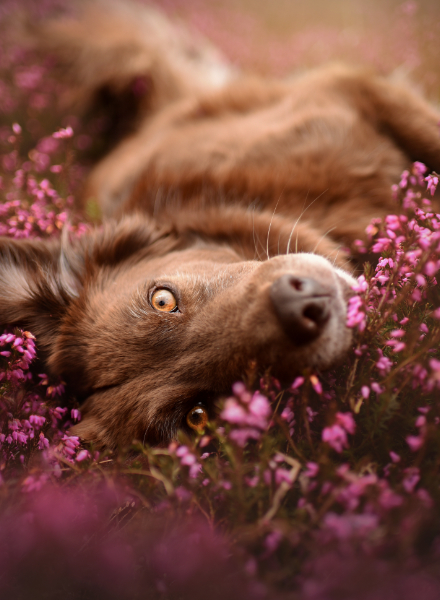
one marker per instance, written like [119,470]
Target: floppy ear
[44,284]
[36,287]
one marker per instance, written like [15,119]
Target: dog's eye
[164,301]
[197,418]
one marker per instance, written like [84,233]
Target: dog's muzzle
[302,306]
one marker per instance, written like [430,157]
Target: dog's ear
[42,281]
[37,284]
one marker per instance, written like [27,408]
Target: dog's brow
[198,287]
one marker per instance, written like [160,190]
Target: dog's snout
[302,306]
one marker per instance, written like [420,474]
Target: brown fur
[221,192]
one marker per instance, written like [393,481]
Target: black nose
[302,306]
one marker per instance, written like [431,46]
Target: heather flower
[75,414]
[389,499]
[272,542]
[346,421]
[37,420]
[355,312]
[34,483]
[63,133]
[336,435]
[365,391]
[316,384]
[242,436]
[346,526]
[312,469]
[394,457]
[82,455]
[432,183]
[297,383]
[411,479]
[233,412]
[250,416]
[414,442]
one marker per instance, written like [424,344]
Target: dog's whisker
[298,220]
[270,225]
[255,240]
[323,238]
[336,257]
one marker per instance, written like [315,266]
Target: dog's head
[143,322]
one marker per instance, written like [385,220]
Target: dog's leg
[122,48]
[398,112]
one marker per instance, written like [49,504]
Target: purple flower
[389,499]
[272,542]
[365,391]
[182,451]
[82,455]
[316,384]
[346,526]
[431,268]
[252,415]
[297,383]
[189,459]
[336,437]
[260,407]
[43,442]
[283,475]
[432,183]
[63,133]
[346,421]
[233,412]
[414,442]
[311,470]
[242,436]
[37,420]
[411,479]
[75,414]
[394,457]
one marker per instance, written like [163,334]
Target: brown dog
[231,199]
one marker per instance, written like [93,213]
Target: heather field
[327,490]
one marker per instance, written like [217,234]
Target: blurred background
[286,35]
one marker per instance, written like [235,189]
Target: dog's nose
[302,306]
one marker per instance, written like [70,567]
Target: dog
[227,200]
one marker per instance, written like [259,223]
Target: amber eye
[164,300]
[197,418]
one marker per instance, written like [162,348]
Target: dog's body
[232,198]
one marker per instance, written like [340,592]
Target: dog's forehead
[210,270]
[212,276]
[191,266]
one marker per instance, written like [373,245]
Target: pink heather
[394,457]
[432,183]
[297,383]
[233,412]
[396,301]
[336,437]
[346,421]
[63,133]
